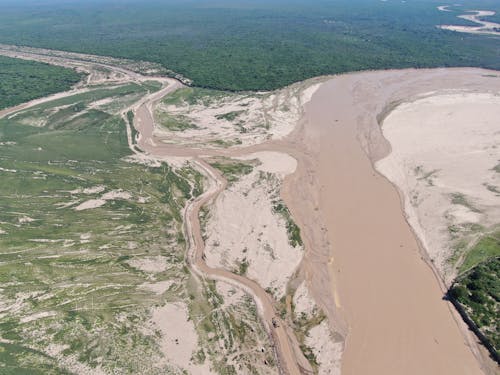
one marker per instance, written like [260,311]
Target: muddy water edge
[388,301]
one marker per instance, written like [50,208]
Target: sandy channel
[485,27]
[389,298]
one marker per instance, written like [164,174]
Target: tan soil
[179,340]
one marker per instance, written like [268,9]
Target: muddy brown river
[389,298]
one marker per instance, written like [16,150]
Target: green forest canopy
[254,45]
[21,81]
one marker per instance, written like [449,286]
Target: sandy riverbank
[443,159]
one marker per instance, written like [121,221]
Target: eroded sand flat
[390,299]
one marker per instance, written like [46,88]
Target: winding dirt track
[362,262]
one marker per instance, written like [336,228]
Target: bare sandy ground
[327,350]
[485,27]
[446,146]
[179,339]
[243,227]
[259,117]
[326,346]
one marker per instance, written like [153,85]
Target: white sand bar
[445,146]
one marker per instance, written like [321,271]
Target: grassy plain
[88,236]
[66,274]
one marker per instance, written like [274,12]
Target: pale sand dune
[95,203]
[244,228]
[152,264]
[179,339]
[159,287]
[443,145]
[302,300]
[90,204]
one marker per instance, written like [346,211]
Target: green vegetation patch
[232,170]
[460,199]
[301,323]
[478,292]
[73,271]
[496,168]
[227,331]
[229,116]
[293,229]
[174,122]
[487,247]
[22,81]
[194,96]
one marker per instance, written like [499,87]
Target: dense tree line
[21,81]
[478,291]
[240,45]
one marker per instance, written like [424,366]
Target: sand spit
[444,150]
[320,338]
[444,8]
[485,27]
[389,298]
[327,351]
